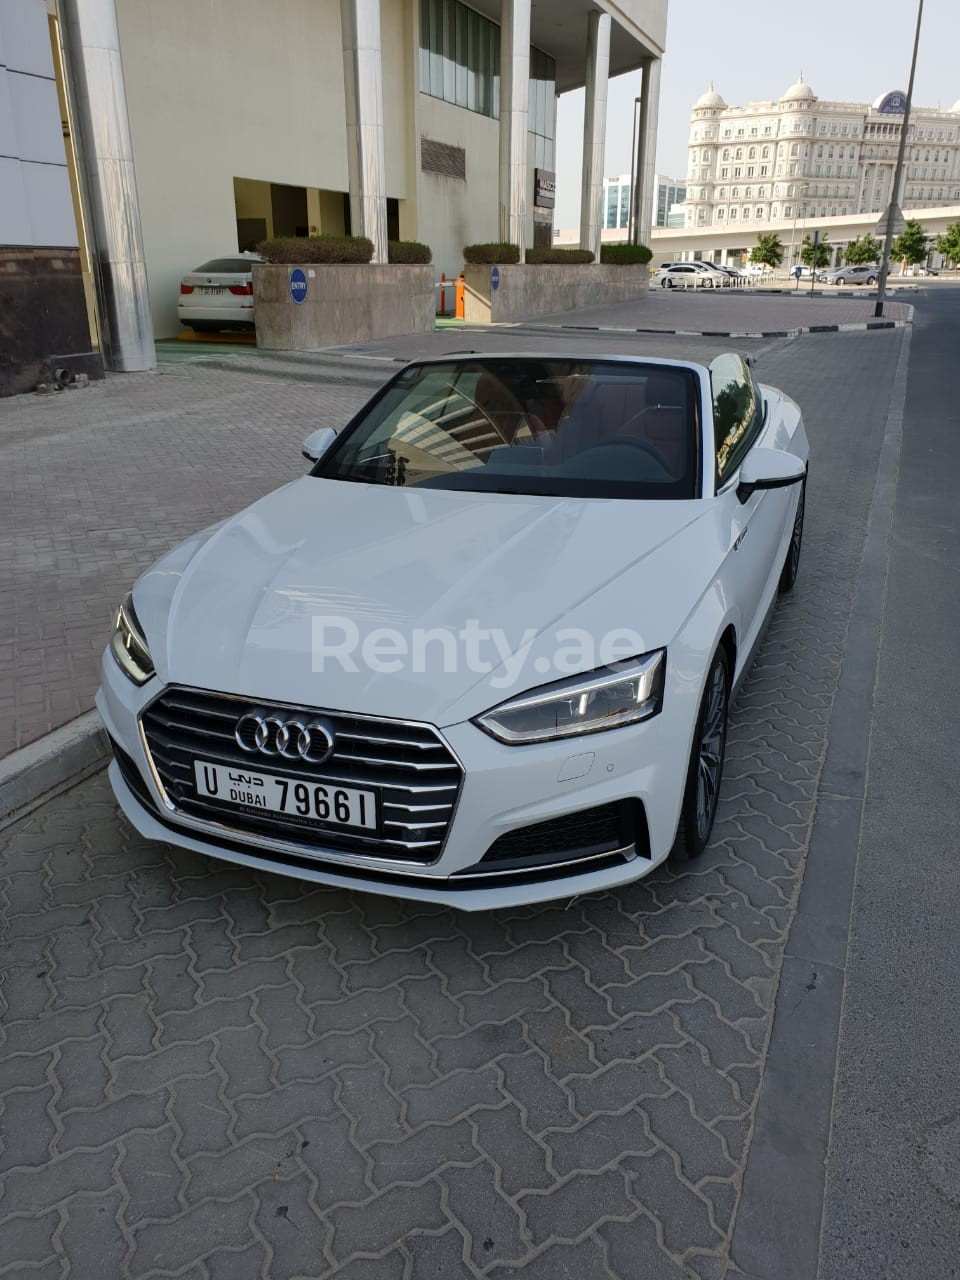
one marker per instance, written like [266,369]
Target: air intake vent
[441,158]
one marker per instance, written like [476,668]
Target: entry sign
[495,278]
[298,285]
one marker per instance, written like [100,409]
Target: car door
[751,532]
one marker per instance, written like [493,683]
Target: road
[215,1074]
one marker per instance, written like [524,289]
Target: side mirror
[769,469]
[318,442]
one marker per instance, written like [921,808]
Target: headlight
[602,699]
[128,644]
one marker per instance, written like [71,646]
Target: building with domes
[768,163]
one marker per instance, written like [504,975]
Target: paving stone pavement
[220,1075]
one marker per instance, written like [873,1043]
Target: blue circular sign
[298,285]
[495,278]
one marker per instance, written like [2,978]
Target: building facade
[668,193]
[770,163]
[179,132]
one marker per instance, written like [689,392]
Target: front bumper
[504,788]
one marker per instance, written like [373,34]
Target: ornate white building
[771,162]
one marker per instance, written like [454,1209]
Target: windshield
[572,428]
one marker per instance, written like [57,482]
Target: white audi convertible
[483,653]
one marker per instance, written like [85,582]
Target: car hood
[247,606]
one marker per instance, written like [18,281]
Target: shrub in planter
[337,249]
[408,252]
[625,255]
[491,254]
[537,257]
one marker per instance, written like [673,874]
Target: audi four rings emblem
[272,735]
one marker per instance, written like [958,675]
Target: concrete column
[514,102]
[645,169]
[105,160]
[363,87]
[594,131]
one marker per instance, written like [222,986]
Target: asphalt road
[213,1074]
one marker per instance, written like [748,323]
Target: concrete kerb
[50,765]
[852,327]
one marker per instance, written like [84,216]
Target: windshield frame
[700,416]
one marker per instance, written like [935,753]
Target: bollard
[460,311]
[443,293]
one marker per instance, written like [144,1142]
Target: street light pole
[800,191]
[897,174]
[633,177]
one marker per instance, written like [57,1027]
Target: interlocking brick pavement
[212,1073]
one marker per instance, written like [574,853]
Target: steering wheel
[648,449]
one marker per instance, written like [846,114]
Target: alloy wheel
[710,751]
[796,538]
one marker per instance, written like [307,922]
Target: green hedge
[625,255]
[342,249]
[408,251]
[491,254]
[537,257]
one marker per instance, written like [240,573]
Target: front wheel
[791,565]
[841,281]
[702,791]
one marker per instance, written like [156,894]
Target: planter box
[342,304]
[526,291]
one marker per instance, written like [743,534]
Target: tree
[911,245]
[768,250]
[949,243]
[866,249]
[814,255]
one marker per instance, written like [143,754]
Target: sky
[848,50]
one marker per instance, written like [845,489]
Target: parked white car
[219,294]
[484,653]
[680,275]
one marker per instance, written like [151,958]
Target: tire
[871,279]
[665,283]
[705,771]
[840,280]
[791,565]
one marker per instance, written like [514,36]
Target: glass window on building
[610,209]
[624,206]
[460,56]
[460,63]
[542,99]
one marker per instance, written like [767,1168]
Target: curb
[50,765]
[725,333]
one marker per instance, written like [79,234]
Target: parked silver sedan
[863,274]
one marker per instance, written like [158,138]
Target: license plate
[298,798]
[209,289]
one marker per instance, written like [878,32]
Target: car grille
[416,773]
